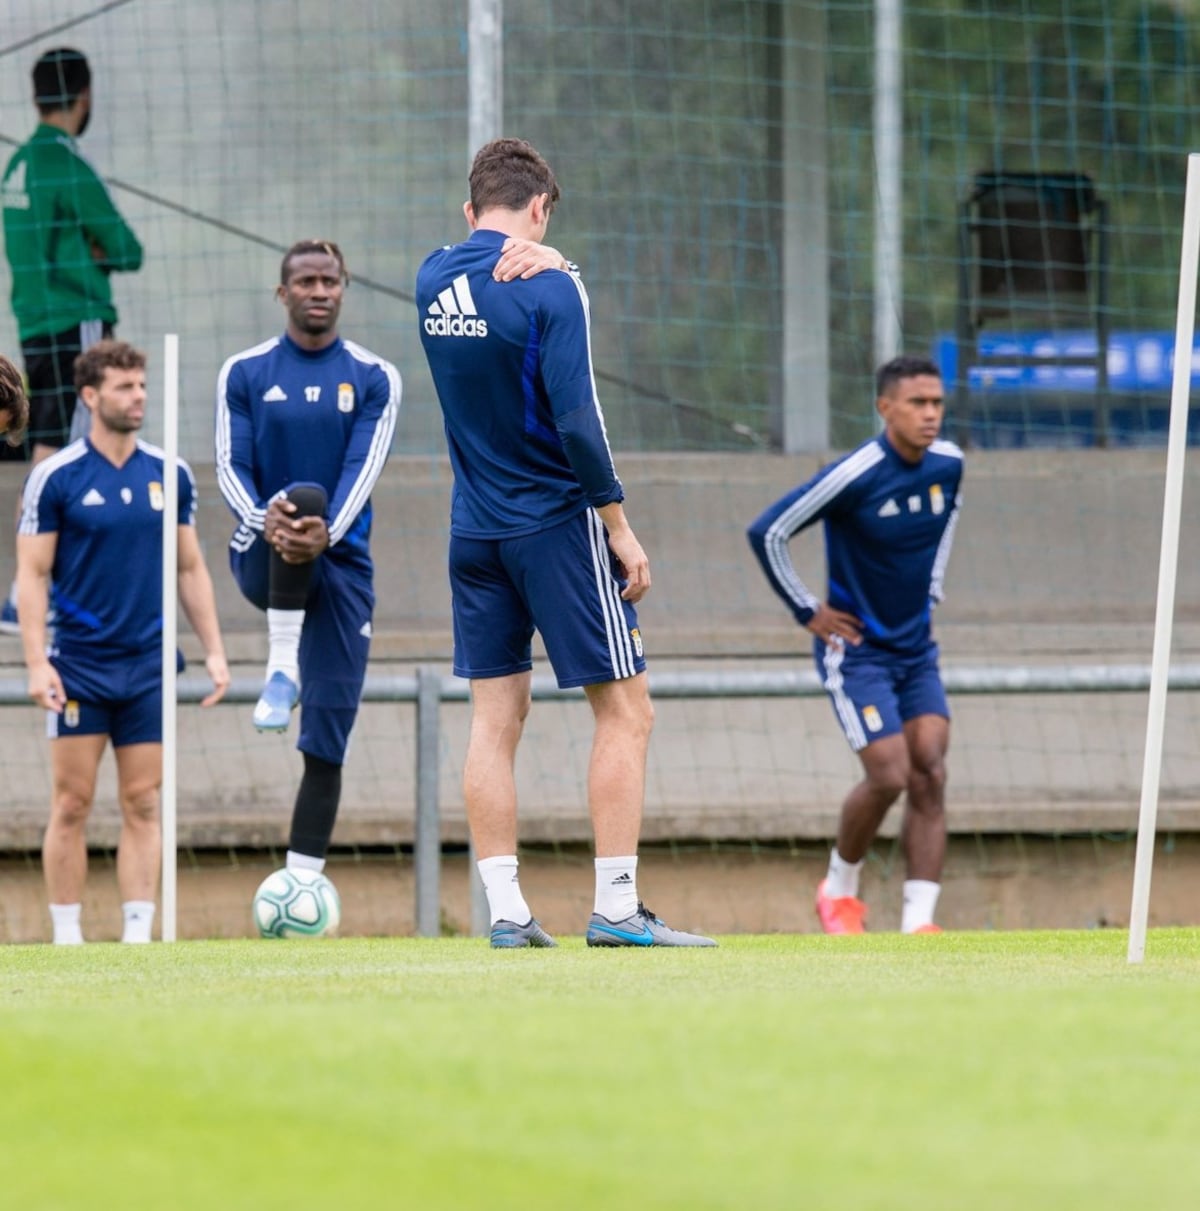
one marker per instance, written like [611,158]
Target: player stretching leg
[304,426]
[888,510]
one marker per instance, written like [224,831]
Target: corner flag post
[170,628]
[1168,560]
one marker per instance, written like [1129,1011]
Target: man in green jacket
[64,237]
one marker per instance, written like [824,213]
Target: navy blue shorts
[120,698]
[876,692]
[563,582]
[334,644]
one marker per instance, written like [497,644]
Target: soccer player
[304,426]
[889,510]
[538,538]
[63,237]
[14,404]
[92,523]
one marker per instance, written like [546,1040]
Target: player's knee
[930,770]
[310,499]
[139,804]
[888,778]
[70,807]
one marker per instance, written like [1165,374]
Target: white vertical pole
[1181,381]
[170,630]
[889,201]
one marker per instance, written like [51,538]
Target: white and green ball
[297,904]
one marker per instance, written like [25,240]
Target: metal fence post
[427,841]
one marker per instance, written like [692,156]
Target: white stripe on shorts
[847,712]
[620,645]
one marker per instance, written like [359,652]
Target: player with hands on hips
[889,511]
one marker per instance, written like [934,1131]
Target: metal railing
[428,687]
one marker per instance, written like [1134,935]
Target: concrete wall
[1055,563]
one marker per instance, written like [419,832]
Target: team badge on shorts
[156,497]
[345,397]
[636,636]
[71,713]
[872,719]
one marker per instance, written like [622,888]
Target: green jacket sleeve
[103,225]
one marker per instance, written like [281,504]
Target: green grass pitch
[968,1071]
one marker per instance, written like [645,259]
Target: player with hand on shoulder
[92,523]
[888,510]
[538,538]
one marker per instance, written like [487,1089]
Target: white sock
[842,879]
[296,861]
[920,900]
[65,919]
[616,888]
[283,634]
[503,887]
[139,917]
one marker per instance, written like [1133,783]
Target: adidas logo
[889,510]
[276,395]
[92,498]
[622,880]
[453,313]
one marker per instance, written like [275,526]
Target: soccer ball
[297,904]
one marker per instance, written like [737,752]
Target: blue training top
[512,364]
[889,525]
[108,561]
[286,415]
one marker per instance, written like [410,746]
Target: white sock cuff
[617,863]
[298,861]
[498,862]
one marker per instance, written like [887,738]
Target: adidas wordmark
[454,312]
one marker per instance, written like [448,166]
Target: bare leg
[886,766]
[73,761]
[624,717]
[139,854]
[923,834]
[499,708]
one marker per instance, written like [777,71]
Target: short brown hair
[508,173]
[13,401]
[303,248]
[91,364]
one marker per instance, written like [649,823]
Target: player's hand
[46,687]
[525,259]
[635,566]
[218,671]
[297,539]
[833,625]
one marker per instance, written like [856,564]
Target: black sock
[316,807]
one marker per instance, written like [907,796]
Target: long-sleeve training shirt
[512,364]
[889,525]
